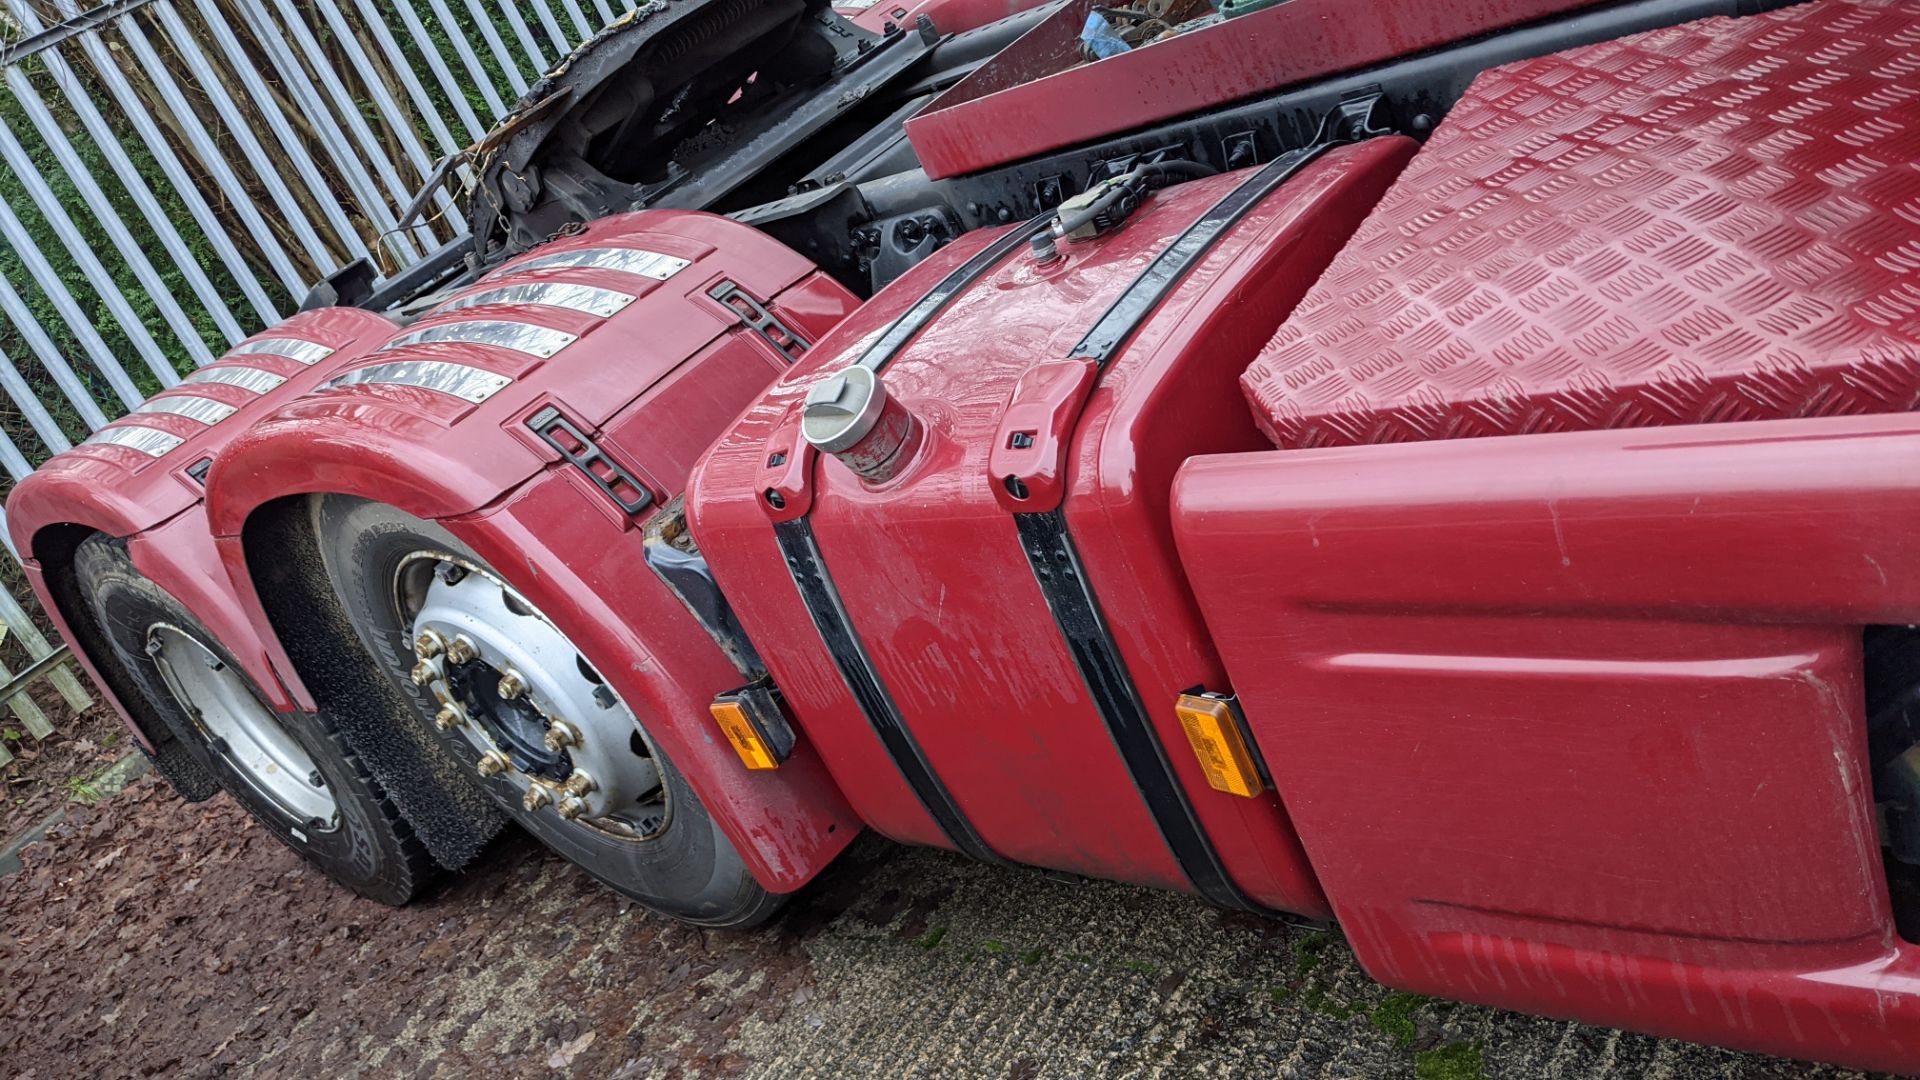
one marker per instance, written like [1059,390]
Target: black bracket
[760,320]
[579,450]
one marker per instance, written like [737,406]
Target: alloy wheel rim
[538,717]
[242,729]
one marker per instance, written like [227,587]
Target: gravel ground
[150,937]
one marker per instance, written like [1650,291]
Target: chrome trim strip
[636,261]
[192,406]
[471,383]
[523,337]
[150,441]
[258,380]
[590,299]
[300,349]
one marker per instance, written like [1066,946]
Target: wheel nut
[561,735]
[579,784]
[536,798]
[512,685]
[492,763]
[573,808]
[460,650]
[428,645]
[448,718]
[424,673]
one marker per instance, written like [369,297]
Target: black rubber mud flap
[452,817]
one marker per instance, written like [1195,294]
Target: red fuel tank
[972,601]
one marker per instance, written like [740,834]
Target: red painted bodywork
[966,647]
[1643,231]
[1037,95]
[1568,722]
[1573,723]
[949,16]
[155,505]
[658,379]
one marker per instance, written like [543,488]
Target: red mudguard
[1573,723]
[1020,742]
[153,497]
[719,310]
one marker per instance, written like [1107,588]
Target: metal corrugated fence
[178,172]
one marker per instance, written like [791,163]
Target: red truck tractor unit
[1439,470]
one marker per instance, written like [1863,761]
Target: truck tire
[450,630]
[293,772]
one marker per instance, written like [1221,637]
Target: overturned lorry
[1436,469]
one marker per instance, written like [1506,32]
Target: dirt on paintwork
[149,937]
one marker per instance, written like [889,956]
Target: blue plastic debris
[1099,38]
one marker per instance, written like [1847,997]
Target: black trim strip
[928,307]
[1057,569]
[1117,325]
[802,552]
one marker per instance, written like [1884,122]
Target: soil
[152,937]
[48,774]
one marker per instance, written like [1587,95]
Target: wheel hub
[539,717]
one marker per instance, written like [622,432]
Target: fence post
[245,113]
[37,646]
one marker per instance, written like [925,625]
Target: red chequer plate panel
[1718,221]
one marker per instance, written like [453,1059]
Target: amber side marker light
[739,731]
[1214,731]
[752,721]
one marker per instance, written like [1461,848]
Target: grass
[80,789]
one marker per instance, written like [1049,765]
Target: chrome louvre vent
[204,409]
[258,380]
[150,441]
[590,299]
[300,349]
[460,380]
[541,341]
[636,261]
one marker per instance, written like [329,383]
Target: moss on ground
[1454,1061]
